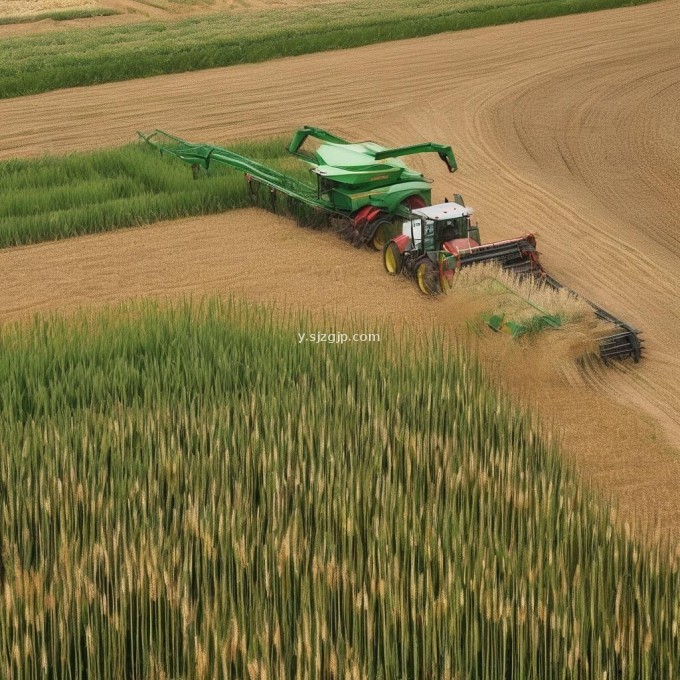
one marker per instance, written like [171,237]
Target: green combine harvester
[371,197]
[363,186]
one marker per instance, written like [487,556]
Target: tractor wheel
[392,258]
[382,234]
[427,276]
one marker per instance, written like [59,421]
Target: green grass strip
[33,64]
[62,196]
[60,15]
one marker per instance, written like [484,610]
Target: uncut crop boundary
[57,197]
[165,517]
[33,64]
[60,15]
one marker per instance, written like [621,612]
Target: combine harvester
[363,189]
[372,198]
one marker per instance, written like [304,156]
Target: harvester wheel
[427,276]
[382,234]
[253,189]
[388,228]
[392,258]
[414,202]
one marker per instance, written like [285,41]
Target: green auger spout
[366,153]
[202,155]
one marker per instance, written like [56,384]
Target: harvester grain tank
[368,194]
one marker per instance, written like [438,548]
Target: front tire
[427,277]
[392,258]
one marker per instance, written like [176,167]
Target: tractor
[439,239]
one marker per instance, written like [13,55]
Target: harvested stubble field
[171,7]
[565,127]
[30,7]
[26,17]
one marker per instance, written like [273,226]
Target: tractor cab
[445,226]
[430,244]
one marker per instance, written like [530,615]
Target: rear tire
[427,277]
[392,259]
[382,234]
[389,228]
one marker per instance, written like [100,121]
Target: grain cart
[438,240]
[364,189]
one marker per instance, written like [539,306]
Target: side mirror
[457,198]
